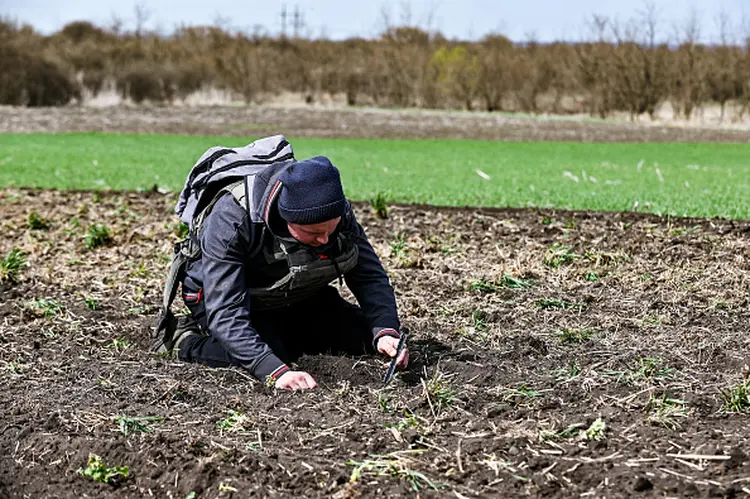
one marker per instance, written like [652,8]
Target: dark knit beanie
[311,192]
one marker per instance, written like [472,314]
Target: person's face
[314,234]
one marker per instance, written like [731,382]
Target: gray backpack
[219,170]
[220,167]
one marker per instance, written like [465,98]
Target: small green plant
[410,420]
[571,371]
[591,276]
[16,367]
[596,430]
[737,398]
[137,424]
[98,235]
[36,222]
[141,271]
[559,255]
[554,435]
[406,257]
[91,303]
[234,423]
[575,335]
[12,265]
[393,465]
[521,396]
[652,319]
[482,286]
[139,309]
[384,402]
[97,471]
[379,204]
[646,368]
[448,245]
[438,391]
[510,282]
[665,411]
[398,247]
[45,307]
[120,344]
[480,320]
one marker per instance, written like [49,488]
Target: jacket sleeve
[225,240]
[370,284]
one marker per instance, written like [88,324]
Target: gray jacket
[232,263]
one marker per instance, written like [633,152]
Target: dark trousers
[325,323]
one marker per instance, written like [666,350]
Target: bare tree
[386,22]
[142,15]
[224,23]
[689,31]
[744,35]
[688,71]
[723,78]
[723,27]
[495,57]
[429,15]
[744,29]
[406,13]
[598,25]
[649,17]
[638,71]
[115,24]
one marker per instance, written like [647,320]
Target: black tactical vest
[309,269]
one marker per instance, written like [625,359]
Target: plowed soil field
[558,354]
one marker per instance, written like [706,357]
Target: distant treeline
[403,67]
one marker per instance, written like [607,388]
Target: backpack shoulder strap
[184,251]
[238,189]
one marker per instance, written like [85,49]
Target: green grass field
[707,180]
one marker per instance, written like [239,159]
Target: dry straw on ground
[548,351]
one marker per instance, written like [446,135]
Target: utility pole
[299,22]
[283,21]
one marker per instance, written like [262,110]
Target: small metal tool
[392,366]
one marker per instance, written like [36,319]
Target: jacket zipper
[338,271]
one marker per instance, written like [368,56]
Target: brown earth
[350,122]
[634,319]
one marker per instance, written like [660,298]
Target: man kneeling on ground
[259,293]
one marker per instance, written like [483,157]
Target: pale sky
[545,20]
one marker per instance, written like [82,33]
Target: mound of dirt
[554,353]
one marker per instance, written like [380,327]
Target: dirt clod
[642,484]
